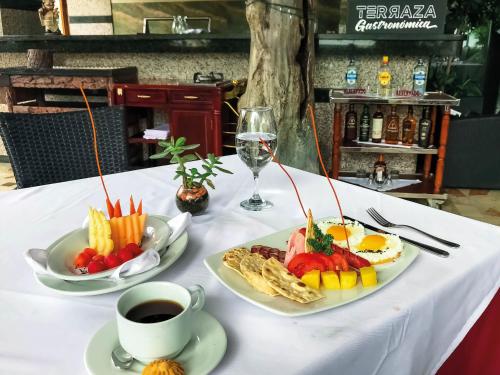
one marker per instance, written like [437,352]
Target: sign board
[396,16]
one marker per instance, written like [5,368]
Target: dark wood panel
[196,126]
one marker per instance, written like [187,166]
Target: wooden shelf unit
[430,187]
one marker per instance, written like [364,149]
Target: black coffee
[154,311]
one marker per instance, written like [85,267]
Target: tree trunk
[280,73]
[39,59]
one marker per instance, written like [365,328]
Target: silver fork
[385,223]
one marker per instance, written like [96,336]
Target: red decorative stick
[313,122]
[108,201]
[275,159]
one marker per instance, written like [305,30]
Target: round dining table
[410,326]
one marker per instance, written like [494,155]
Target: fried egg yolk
[338,232]
[372,242]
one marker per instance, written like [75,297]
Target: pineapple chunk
[368,276]
[311,279]
[330,280]
[348,279]
[99,233]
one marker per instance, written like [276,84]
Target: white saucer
[201,355]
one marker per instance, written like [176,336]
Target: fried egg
[355,231]
[379,248]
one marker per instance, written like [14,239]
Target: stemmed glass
[255,124]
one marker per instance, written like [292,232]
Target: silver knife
[429,248]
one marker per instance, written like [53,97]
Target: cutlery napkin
[37,258]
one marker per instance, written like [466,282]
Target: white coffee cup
[166,339]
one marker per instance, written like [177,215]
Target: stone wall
[329,72]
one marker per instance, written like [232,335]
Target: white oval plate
[200,356]
[103,286]
[286,307]
[62,253]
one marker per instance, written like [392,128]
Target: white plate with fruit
[315,273]
[91,287]
[97,250]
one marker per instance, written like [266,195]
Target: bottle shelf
[421,190]
[429,98]
[358,148]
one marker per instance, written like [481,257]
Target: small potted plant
[192,195]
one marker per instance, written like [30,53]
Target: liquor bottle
[424,128]
[384,78]
[377,125]
[364,125]
[392,127]
[419,77]
[409,127]
[351,75]
[351,124]
[380,170]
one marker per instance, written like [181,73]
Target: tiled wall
[329,73]
[90,17]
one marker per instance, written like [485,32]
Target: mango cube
[330,280]
[348,279]
[368,276]
[311,279]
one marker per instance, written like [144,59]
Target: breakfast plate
[102,286]
[287,307]
[61,254]
[201,355]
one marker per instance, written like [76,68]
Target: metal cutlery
[431,249]
[386,223]
[121,359]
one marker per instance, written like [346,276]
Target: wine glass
[255,124]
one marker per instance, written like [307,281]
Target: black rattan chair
[48,148]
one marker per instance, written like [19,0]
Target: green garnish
[321,243]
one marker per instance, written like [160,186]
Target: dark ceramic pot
[194,200]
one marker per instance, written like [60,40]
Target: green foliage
[321,243]
[440,79]
[466,15]
[175,148]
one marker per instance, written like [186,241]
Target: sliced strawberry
[136,250]
[89,251]
[98,258]
[96,266]
[112,260]
[125,254]
[81,260]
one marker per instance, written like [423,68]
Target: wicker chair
[49,148]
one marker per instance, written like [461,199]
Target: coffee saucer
[200,356]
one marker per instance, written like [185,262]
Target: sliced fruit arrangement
[114,241]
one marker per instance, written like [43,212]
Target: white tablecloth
[409,327]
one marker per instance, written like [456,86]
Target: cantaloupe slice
[127,229]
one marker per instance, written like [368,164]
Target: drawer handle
[190,97]
[144,96]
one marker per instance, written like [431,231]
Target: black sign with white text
[394,17]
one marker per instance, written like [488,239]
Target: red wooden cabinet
[194,110]
[196,126]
